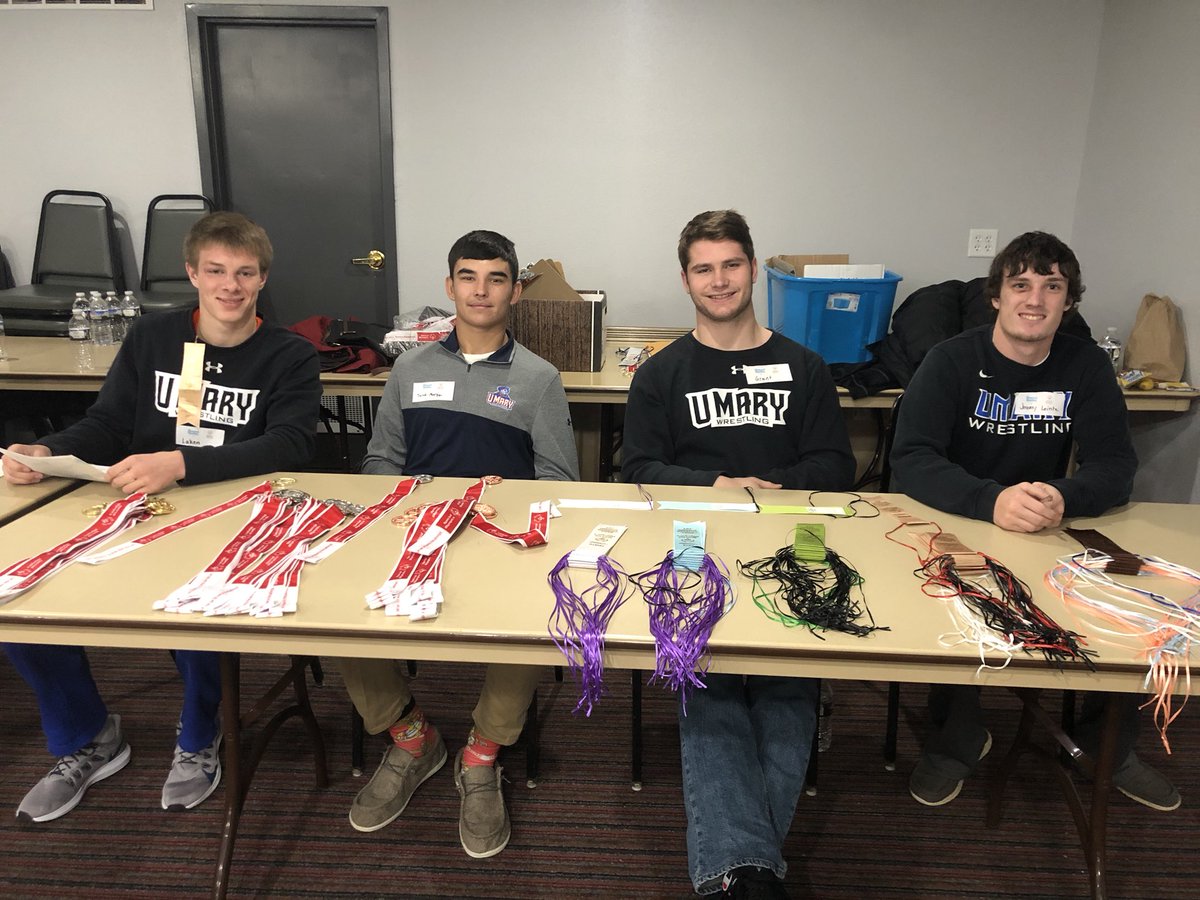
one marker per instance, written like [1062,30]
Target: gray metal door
[293,110]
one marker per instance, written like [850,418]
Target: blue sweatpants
[73,712]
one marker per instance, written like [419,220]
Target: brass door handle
[374,259]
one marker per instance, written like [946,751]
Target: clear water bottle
[101,327]
[81,304]
[79,331]
[1114,348]
[825,718]
[112,312]
[130,310]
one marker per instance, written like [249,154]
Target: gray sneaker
[1146,785]
[391,787]
[193,776]
[63,787]
[483,825]
[932,785]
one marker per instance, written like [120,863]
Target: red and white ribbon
[117,517]
[361,521]
[533,536]
[102,556]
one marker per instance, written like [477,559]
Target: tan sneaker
[391,787]
[483,826]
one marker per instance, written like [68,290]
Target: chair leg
[814,752]
[532,750]
[318,671]
[893,720]
[636,729]
[357,737]
[1068,724]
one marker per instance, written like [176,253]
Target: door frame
[202,21]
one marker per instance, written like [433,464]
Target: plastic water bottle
[81,304]
[130,310]
[825,718]
[101,327]
[80,333]
[1114,348]
[112,312]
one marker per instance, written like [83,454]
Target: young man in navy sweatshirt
[257,412]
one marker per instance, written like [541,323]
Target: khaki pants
[379,689]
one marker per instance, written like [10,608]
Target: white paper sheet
[60,466]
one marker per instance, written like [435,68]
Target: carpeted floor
[582,832]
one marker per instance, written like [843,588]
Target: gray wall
[1138,217]
[590,132]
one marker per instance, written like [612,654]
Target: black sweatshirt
[696,413]
[264,394]
[962,438]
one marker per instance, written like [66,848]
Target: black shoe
[753,883]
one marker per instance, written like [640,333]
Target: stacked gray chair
[76,250]
[165,284]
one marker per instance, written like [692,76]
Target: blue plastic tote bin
[836,317]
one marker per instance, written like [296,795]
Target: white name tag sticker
[767,374]
[1040,403]
[424,391]
[191,436]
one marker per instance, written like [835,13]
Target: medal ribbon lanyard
[817,586]
[360,522]
[688,593]
[254,493]
[269,585]
[534,535]
[117,517]
[414,587]
[1162,629]
[1005,619]
[266,517]
[580,620]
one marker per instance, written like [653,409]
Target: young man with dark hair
[734,405]
[439,416]
[257,413]
[985,430]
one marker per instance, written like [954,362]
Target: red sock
[479,750]
[409,733]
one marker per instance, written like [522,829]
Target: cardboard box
[563,326]
[794,265]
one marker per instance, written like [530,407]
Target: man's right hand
[19,473]
[1028,507]
[724,481]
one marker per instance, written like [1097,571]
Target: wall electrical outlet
[981,242]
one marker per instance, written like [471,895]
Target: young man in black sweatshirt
[985,430]
[735,405]
[254,393]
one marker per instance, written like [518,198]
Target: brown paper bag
[1156,344]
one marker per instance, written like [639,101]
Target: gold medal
[158,506]
[92,511]
[282,482]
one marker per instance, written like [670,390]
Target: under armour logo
[733,370]
[214,367]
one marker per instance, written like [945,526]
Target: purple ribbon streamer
[682,626]
[579,622]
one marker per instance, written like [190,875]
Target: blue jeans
[73,712]
[745,743]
